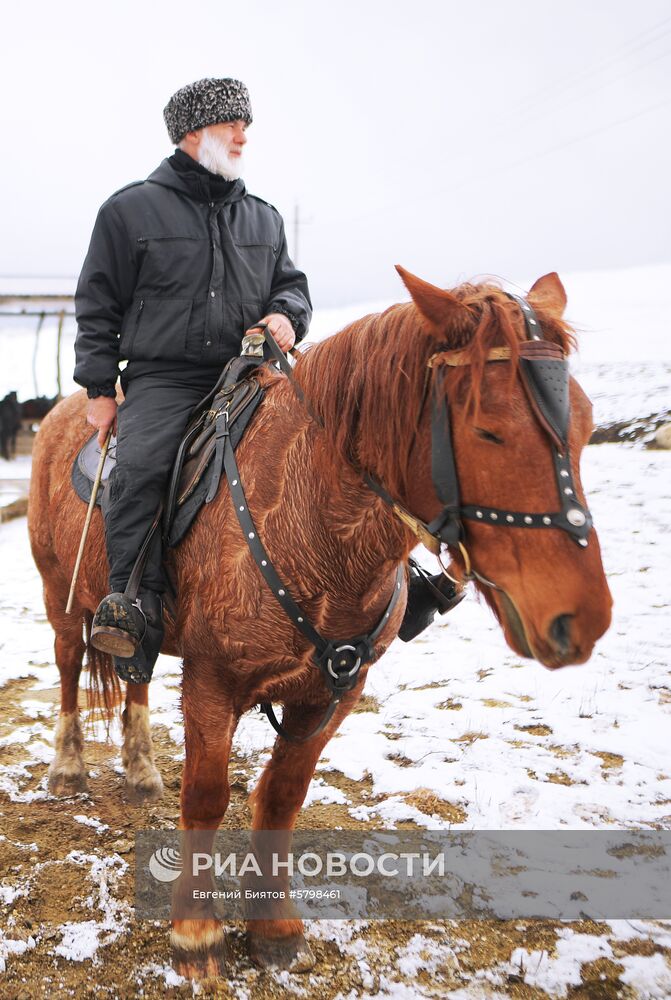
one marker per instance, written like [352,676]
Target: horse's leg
[143,780]
[209,724]
[276,802]
[67,773]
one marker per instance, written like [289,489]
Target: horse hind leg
[67,773]
[143,780]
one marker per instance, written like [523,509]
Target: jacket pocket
[174,267]
[159,332]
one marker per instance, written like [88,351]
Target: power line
[539,108]
[541,112]
[580,138]
[535,106]
[629,48]
[570,81]
[466,180]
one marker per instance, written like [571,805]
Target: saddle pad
[189,483]
[85,467]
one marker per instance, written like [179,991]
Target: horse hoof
[63,784]
[291,953]
[199,949]
[198,965]
[148,789]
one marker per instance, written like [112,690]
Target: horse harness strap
[338,661]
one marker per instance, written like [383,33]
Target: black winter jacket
[172,277]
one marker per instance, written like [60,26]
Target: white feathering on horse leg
[198,935]
[137,754]
[67,773]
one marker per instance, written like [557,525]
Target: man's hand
[102,414]
[281,329]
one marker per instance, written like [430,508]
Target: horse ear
[548,293]
[435,304]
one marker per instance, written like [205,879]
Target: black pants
[150,424]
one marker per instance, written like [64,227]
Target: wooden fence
[42,307]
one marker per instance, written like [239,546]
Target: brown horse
[336,544]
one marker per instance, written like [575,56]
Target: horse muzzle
[567,639]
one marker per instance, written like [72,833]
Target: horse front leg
[67,773]
[209,723]
[143,780]
[278,940]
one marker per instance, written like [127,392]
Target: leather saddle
[234,398]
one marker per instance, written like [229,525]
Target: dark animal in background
[10,424]
[36,409]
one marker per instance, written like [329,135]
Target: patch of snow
[554,974]
[92,822]
[649,975]
[81,939]
[8,893]
[10,946]
[290,982]
[422,953]
[320,792]
[165,972]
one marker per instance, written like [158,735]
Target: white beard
[214,156]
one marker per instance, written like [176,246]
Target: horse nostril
[560,633]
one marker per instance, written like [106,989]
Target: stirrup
[118,627]
[138,669]
[425,598]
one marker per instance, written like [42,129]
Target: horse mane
[365,384]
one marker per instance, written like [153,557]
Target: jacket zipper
[137,324]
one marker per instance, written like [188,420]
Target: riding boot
[426,596]
[131,631]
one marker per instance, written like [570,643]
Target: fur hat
[206,102]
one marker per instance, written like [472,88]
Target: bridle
[543,369]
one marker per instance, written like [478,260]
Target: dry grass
[432,805]
[609,760]
[470,737]
[451,705]
[535,730]
[367,703]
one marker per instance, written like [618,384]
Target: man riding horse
[179,267]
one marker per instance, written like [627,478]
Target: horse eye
[488,436]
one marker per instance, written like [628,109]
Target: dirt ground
[37,842]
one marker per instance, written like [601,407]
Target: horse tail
[104,689]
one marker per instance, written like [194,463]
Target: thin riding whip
[87,522]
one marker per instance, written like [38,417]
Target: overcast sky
[505,137]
